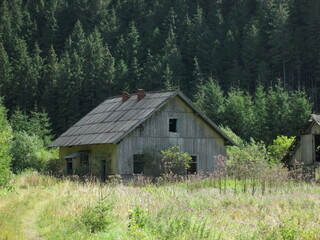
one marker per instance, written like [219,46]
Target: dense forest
[66,56]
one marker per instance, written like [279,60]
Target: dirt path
[29,221]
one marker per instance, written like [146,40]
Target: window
[138,165]
[85,160]
[173,122]
[192,169]
[69,166]
[103,170]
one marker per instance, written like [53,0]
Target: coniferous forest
[252,65]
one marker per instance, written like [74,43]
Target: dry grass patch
[73,210]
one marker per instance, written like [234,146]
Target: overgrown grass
[195,208]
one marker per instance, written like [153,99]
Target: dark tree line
[66,56]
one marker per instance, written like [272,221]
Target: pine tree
[197,75]
[37,72]
[172,60]
[51,24]
[168,80]
[6,31]
[278,112]
[239,113]
[93,70]
[279,41]
[5,144]
[23,90]
[76,41]
[107,79]
[210,99]
[260,127]
[133,45]
[50,81]
[5,71]
[300,110]
[152,72]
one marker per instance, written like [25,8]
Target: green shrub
[174,161]
[98,217]
[279,148]
[36,123]
[137,218]
[55,165]
[29,152]
[248,152]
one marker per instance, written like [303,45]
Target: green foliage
[174,161]
[152,161]
[251,151]
[28,152]
[32,135]
[279,148]
[210,98]
[36,123]
[263,116]
[67,57]
[238,113]
[68,210]
[232,135]
[97,217]
[5,144]
[137,218]
[245,152]
[55,165]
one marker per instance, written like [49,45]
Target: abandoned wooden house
[113,137]
[305,149]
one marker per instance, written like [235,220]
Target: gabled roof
[112,120]
[291,150]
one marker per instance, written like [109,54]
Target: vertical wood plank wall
[305,152]
[194,136]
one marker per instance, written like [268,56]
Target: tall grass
[194,207]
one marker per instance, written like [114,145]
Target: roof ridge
[135,93]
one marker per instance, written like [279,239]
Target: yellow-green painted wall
[97,153]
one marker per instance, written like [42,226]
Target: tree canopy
[67,56]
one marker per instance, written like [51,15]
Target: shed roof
[112,120]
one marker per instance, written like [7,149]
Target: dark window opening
[138,160]
[69,166]
[85,160]
[192,169]
[103,170]
[317,147]
[173,125]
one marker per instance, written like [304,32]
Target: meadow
[44,207]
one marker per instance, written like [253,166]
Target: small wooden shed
[113,137]
[306,147]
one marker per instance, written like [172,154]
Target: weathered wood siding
[315,129]
[305,150]
[97,153]
[194,136]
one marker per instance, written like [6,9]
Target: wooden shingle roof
[112,120]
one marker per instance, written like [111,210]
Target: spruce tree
[5,143]
[50,85]
[5,71]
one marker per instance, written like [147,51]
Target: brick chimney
[125,96]
[141,94]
